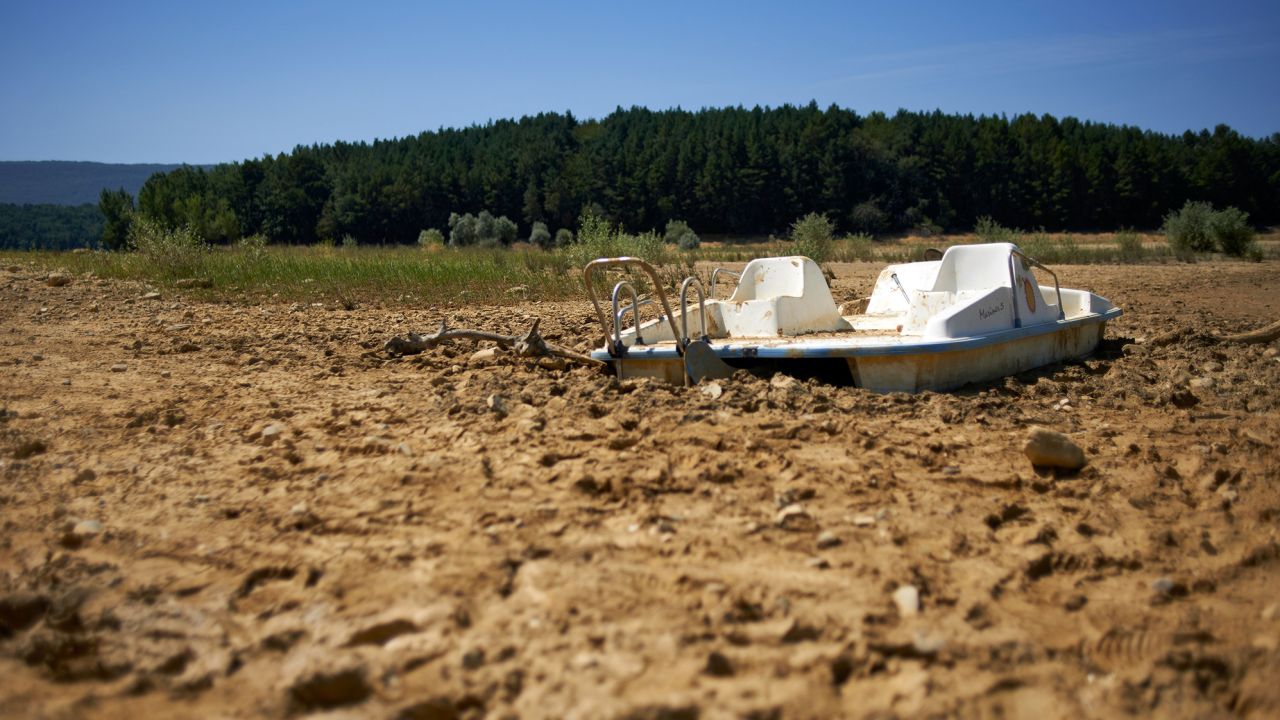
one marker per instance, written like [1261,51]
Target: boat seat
[780,296]
[973,267]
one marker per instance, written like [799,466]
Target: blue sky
[125,81]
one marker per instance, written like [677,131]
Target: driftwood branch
[530,344]
[1261,335]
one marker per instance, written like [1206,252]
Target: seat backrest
[973,267]
[766,278]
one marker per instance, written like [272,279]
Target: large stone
[1049,448]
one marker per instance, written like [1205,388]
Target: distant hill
[58,182]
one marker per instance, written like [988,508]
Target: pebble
[1201,383]
[300,509]
[497,403]
[150,296]
[1271,612]
[119,367]
[827,539]
[87,528]
[1270,352]
[782,382]
[1049,448]
[713,390]
[907,599]
[57,280]
[864,520]
[1213,367]
[488,354]
[793,516]
[187,347]
[817,563]
[271,433]
[165,373]
[66,381]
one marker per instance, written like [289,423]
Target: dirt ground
[221,511]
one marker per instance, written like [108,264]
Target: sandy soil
[226,511]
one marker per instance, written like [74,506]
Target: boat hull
[893,364]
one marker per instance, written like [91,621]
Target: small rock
[927,644]
[187,347]
[1201,383]
[37,357]
[817,563]
[1168,588]
[87,528]
[718,665]
[782,382]
[1075,602]
[150,296]
[1213,367]
[119,367]
[57,280]
[712,390]
[497,403]
[165,373]
[1271,352]
[907,599]
[66,381]
[864,520]
[300,508]
[271,433]
[84,476]
[794,517]
[193,283]
[473,659]
[827,539]
[1049,448]
[485,355]
[1271,612]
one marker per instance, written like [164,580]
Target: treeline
[728,171]
[49,227]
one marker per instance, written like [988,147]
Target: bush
[177,253]
[564,236]
[1231,232]
[1187,230]
[483,230]
[990,231]
[681,235]
[1130,245]
[429,237]
[540,236]
[811,236]
[254,246]
[349,242]
[868,218]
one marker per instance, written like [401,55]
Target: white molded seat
[780,296]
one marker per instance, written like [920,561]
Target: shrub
[564,236]
[681,235]
[253,246]
[1231,232]
[176,253]
[483,230]
[990,231]
[539,235]
[1187,230]
[811,236]
[868,218]
[429,237]
[1130,245]
[349,242]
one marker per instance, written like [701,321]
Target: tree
[117,209]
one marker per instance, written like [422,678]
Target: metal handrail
[692,281]
[717,273]
[624,309]
[617,315]
[597,265]
[1057,289]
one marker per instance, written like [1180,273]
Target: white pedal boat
[977,314]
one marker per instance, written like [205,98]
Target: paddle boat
[977,314]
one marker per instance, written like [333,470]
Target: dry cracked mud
[222,510]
